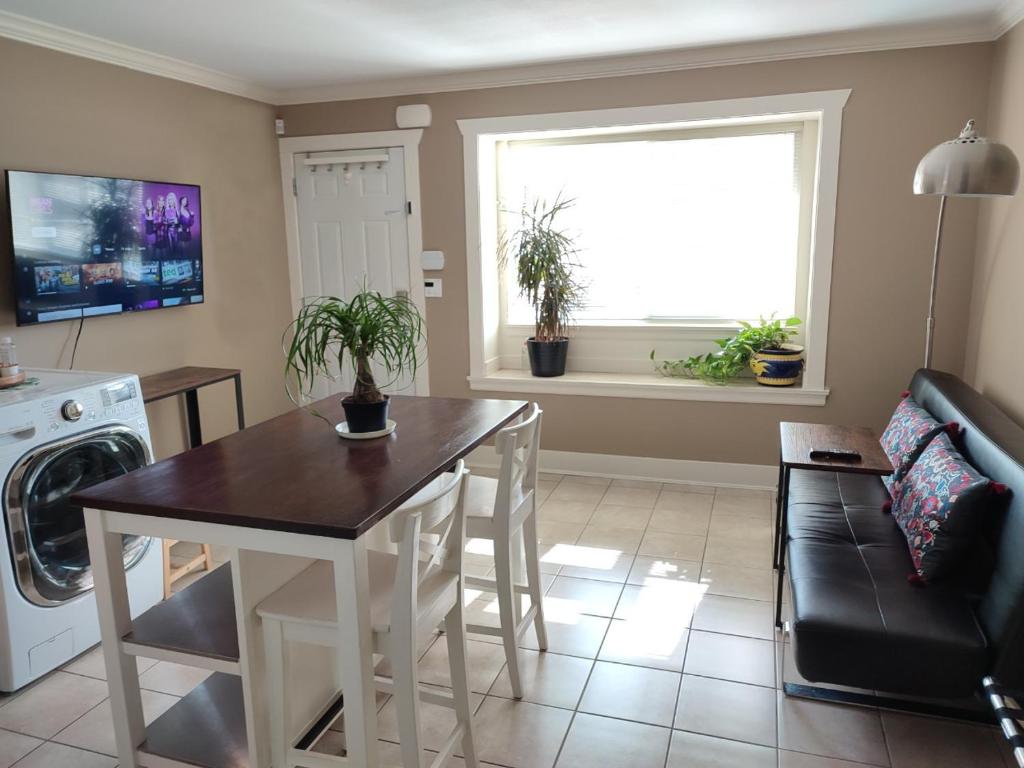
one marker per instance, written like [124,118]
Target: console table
[185,381]
[796,441]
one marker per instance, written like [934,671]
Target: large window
[688,219]
[706,224]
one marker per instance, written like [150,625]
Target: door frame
[409,141]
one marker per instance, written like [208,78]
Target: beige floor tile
[658,643]
[519,734]
[14,746]
[51,755]
[929,742]
[727,710]
[575,512]
[624,540]
[752,504]
[646,484]
[691,522]
[631,497]
[578,635]
[600,563]
[619,516]
[735,616]
[675,546]
[728,657]
[672,499]
[831,730]
[544,490]
[694,750]
[547,678]
[175,679]
[726,551]
[484,661]
[600,480]
[557,532]
[549,477]
[581,492]
[631,693]
[801,760]
[95,730]
[597,598]
[601,741]
[650,570]
[708,490]
[659,599]
[436,722]
[90,664]
[51,704]
[737,581]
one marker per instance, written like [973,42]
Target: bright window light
[685,226]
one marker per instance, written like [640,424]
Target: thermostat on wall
[432,288]
[432,260]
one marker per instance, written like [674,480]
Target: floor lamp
[967,166]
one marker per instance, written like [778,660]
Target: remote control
[836,454]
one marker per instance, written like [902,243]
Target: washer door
[47,531]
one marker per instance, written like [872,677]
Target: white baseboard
[758,476]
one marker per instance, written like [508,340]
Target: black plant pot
[547,358]
[366,417]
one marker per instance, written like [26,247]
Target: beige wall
[995,351]
[903,103]
[73,115]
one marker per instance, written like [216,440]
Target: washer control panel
[72,410]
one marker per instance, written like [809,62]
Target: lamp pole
[930,328]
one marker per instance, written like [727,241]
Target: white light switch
[432,260]
[432,288]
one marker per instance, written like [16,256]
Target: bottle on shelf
[8,358]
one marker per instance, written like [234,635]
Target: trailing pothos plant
[734,353]
[544,258]
[387,330]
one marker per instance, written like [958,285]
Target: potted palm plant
[369,328]
[545,260]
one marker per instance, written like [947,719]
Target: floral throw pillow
[910,430]
[937,506]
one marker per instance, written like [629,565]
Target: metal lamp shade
[968,165]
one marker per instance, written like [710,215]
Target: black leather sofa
[857,621]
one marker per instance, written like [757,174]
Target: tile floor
[662,654]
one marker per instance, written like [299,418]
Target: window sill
[648,386]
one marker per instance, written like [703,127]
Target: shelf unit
[196,627]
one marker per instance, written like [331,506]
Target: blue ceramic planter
[778,367]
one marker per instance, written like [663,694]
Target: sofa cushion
[910,430]
[937,507]
[856,621]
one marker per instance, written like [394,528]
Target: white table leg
[111,592]
[355,652]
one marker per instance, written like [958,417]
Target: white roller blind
[669,226]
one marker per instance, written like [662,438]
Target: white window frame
[480,137]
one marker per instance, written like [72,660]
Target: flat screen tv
[89,245]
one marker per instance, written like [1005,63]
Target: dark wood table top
[798,440]
[157,386]
[293,473]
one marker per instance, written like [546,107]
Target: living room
[787,155]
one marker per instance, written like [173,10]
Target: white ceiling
[286,49]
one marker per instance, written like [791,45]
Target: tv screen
[88,245]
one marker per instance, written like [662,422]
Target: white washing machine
[70,430]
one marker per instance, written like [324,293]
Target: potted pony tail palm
[371,328]
[544,258]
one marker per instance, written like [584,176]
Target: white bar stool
[504,510]
[410,594]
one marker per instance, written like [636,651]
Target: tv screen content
[89,245]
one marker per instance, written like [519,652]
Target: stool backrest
[430,537]
[518,447]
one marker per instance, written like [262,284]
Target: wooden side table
[796,441]
[186,381]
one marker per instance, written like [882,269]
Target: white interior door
[352,209]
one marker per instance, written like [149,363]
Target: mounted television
[89,245]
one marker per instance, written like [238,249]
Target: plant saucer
[343,431]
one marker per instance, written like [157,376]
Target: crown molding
[26,30]
[1008,15]
[861,41]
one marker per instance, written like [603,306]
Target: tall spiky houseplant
[368,328]
[544,259]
